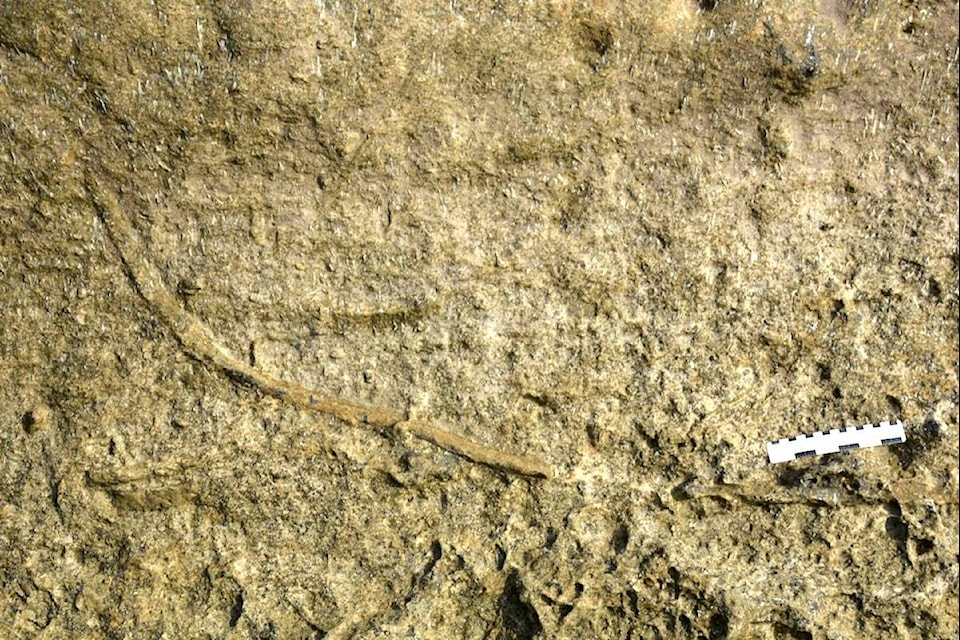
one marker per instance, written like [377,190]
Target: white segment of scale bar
[844,439]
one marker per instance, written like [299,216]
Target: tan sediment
[197,340]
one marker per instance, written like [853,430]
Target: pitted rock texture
[636,243]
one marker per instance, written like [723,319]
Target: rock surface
[636,244]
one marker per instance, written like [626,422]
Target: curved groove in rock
[198,341]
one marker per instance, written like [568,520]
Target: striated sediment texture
[256,259]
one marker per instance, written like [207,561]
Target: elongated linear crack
[198,341]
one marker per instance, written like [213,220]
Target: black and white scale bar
[844,439]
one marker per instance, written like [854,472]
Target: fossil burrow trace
[198,341]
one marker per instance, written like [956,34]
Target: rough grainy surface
[635,244]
